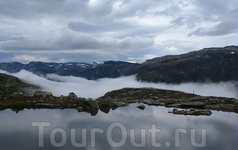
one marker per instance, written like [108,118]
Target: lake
[122,128]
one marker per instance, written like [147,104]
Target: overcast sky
[99,30]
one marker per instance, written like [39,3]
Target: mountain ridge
[208,64]
[215,64]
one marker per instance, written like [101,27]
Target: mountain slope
[10,84]
[209,64]
[214,64]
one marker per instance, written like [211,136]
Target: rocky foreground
[190,104]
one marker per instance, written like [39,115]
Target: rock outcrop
[43,94]
[191,112]
[141,106]
[72,95]
[17,94]
[167,98]
[194,104]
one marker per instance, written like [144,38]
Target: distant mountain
[209,64]
[91,71]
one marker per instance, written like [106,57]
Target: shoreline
[190,104]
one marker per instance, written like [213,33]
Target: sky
[101,30]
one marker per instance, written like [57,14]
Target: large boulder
[42,94]
[106,110]
[72,95]
[141,106]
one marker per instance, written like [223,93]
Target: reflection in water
[128,127]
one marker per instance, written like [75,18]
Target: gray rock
[174,105]
[191,112]
[80,109]
[62,97]
[156,102]
[215,107]
[155,98]
[148,101]
[170,101]
[141,106]
[118,104]
[93,104]
[94,112]
[193,104]
[235,101]
[43,94]
[228,107]
[198,98]
[236,109]
[105,109]
[162,104]
[72,95]
[105,103]
[17,94]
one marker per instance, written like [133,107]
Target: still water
[122,128]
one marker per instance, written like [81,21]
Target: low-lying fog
[62,85]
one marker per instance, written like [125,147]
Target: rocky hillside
[10,84]
[209,64]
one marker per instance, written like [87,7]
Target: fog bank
[62,85]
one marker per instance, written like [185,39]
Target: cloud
[227,26]
[150,56]
[62,85]
[118,26]
[72,41]
[223,14]
[28,58]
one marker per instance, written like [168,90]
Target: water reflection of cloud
[17,128]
